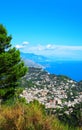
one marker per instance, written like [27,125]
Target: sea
[72,69]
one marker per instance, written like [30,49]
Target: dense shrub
[21,116]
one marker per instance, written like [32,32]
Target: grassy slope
[28,117]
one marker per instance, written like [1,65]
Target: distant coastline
[70,68]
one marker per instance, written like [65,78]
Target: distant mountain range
[33,57]
[30,63]
[33,60]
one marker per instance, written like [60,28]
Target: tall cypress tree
[11,66]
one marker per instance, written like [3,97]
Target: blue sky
[45,27]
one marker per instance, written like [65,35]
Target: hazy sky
[46,27]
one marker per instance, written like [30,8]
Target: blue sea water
[72,69]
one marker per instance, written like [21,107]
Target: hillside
[52,90]
[33,57]
[32,116]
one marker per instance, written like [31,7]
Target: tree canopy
[11,66]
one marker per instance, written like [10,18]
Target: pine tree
[11,66]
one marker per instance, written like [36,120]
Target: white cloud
[49,46]
[73,48]
[40,48]
[19,46]
[56,51]
[54,48]
[22,45]
[25,43]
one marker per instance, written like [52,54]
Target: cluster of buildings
[51,90]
